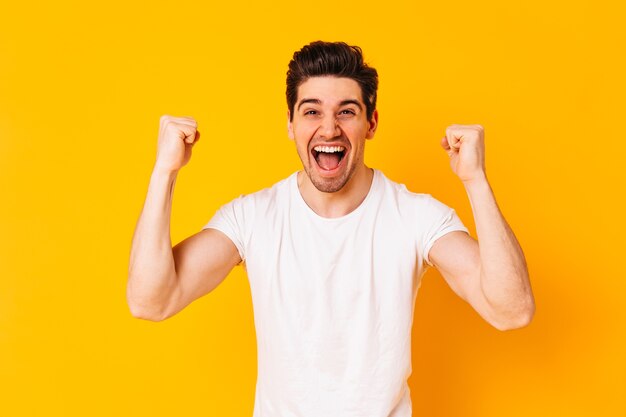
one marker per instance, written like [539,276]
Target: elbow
[517,321]
[141,309]
[144,313]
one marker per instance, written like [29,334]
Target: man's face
[329,128]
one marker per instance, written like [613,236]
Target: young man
[334,253]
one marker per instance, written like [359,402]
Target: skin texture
[330,111]
[491,276]
[163,280]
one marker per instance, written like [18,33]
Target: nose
[329,127]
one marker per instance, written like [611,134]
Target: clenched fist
[465,145]
[177,135]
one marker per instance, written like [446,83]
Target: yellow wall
[82,87]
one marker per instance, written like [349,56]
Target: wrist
[163,172]
[477,182]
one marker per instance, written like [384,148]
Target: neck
[339,203]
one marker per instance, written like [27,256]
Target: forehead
[330,90]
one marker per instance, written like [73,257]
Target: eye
[348,112]
[310,112]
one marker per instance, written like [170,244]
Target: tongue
[328,161]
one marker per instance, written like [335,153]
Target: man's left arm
[491,274]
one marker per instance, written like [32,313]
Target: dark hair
[338,59]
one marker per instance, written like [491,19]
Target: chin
[329,185]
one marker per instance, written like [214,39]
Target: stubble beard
[330,185]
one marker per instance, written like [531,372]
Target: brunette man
[334,253]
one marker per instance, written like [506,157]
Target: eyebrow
[318,101]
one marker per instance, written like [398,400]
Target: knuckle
[191,120]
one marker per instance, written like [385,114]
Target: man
[334,253]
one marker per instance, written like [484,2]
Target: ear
[373,124]
[289,126]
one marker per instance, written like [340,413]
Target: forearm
[504,275]
[152,273]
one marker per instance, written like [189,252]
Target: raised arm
[490,274]
[162,280]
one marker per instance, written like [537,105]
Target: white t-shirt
[333,298]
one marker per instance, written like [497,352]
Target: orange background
[82,87]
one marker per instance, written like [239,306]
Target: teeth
[329,149]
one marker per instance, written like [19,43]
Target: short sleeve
[230,220]
[438,220]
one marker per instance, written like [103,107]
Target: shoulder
[406,198]
[417,210]
[245,211]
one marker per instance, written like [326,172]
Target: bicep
[202,262]
[457,258]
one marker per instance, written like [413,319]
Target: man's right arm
[163,280]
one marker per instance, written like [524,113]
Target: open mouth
[328,158]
